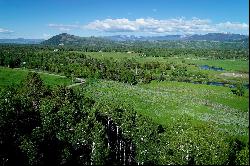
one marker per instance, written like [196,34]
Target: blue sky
[45,18]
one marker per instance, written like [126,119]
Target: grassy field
[228,65]
[169,102]
[15,76]
[192,63]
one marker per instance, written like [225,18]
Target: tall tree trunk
[124,153]
[108,132]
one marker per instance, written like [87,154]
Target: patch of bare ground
[242,75]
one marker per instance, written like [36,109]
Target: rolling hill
[212,40]
[67,39]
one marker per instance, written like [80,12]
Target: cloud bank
[5,31]
[151,25]
[156,26]
[233,26]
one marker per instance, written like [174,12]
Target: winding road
[82,81]
[79,80]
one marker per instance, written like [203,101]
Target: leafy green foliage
[240,89]
[60,126]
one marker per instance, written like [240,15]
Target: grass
[237,66]
[203,115]
[15,76]
[168,102]
[229,65]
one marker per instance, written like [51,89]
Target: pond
[206,67]
[220,84]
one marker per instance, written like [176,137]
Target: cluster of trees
[79,65]
[42,126]
[239,89]
[209,53]
[154,50]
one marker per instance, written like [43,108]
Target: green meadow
[168,102]
[236,65]
[10,77]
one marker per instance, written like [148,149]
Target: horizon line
[130,35]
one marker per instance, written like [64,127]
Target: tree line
[78,64]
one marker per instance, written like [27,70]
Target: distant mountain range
[211,40]
[68,39]
[223,37]
[22,41]
[143,38]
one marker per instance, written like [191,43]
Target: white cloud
[151,25]
[232,26]
[63,27]
[5,31]
[179,25]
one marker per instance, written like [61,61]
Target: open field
[168,102]
[15,76]
[233,67]
[228,65]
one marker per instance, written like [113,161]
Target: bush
[240,89]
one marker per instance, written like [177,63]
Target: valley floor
[169,102]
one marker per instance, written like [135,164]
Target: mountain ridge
[221,37]
[68,39]
[195,37]
[109,43]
